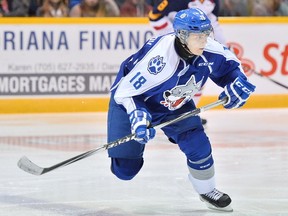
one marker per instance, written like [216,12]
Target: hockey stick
[267,77]
[28,166]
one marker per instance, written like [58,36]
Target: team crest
[156,65]
[181,94]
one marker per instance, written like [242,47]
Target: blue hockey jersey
[158,79]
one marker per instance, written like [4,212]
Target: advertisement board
[69,64]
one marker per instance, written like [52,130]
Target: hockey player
[157,84]
[163,13]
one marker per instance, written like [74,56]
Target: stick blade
[28,166]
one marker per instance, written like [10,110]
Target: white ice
[250,148]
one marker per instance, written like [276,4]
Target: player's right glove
[140,120]
[237,92]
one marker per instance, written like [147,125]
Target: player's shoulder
[160,45]
[160,51]
[161,41]
[214,47]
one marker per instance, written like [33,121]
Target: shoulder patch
[156,65]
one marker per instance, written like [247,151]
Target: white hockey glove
[140,120]
[237,92]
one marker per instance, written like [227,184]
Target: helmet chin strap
[187,49]
[183,50]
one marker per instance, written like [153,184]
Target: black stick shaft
[28,166]
[267,77]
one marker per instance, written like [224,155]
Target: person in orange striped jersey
[163,12]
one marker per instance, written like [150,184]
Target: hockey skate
[217,200]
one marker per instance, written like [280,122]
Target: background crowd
[129,8]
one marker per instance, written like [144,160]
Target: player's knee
[202,164]
[202,169]
[126,169]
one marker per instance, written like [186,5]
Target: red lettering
[285,61]
[270,59]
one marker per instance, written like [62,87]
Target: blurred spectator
[263,8]
[1,10]
[53,8]
[153,3]
[269,8]
[72,3]
[281,7]
[134,8]
[33,7]
[162,15]
[95,8]
[15,8]
[137,8]
[3,7]
[234,7]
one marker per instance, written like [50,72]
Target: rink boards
[69,64]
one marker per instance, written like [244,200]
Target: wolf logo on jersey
[156,65]
[181,94]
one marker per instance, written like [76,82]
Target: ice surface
[250,148]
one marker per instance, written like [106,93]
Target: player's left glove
[140,120]
[237,92]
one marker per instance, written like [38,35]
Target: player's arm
[144,73]
[132,92]
[236,85]
[237,92]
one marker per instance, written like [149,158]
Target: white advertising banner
[64,59]
[77,59]
[262,47]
